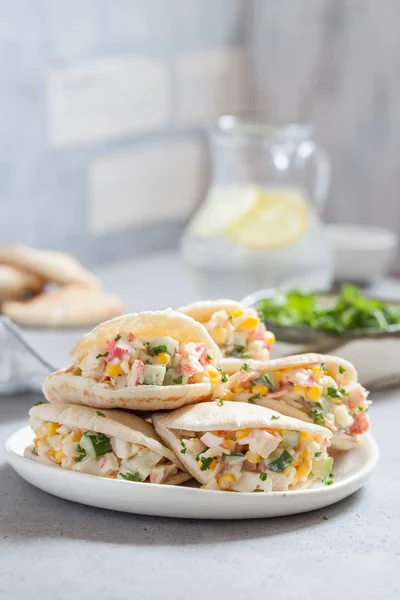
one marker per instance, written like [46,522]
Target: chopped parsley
[333,392]
[82,453]
[230,318]
[178,380]
[100,413]
[318,454]
[274,418]
[131,476]
[317,416]
[224,377]
[205,463]
[258,490]
[343,392]
[39,403]
[209,357]
[245,367]
[362,409]
[102,355]
[254,397]
[158,349]
[324,367]
[237,351]
[34,451]
[341,369]
[325,518]
[117,338]
[184,449]
[329,479]
[148,361]
[263,476]
[219,402]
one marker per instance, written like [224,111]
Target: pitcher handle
[322,178]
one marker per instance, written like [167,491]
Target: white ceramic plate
[351,470]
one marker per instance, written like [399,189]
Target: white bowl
[361,253]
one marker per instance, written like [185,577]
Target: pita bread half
[50,265]
[72,305]
[15,283]
[203,311]
[116,423]
[63,386]
[231,416]
[332,363]
[148,324]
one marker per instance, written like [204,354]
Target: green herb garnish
[98,412]
[205,463]
[317,416]
[274,418]
[325,518]
[82,453]
[184,449]
[329,479]
[219,402]
[362,409]
[254,397]
[350,311]
[158,349]
[39,403]
[102,355]
[245,367]
[34,451]
[224,377]
[258,490]
[343,392]
[117,338]
[263,476]
[178,380]
[341,369]
[131,476]
[318,454]
[209,357]
[333,392]
[237,352]
[324,368]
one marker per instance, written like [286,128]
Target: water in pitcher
[259,225]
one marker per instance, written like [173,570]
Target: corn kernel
[202,487]
[314,393]
[76,436]
[317,373]
[252,458]
[278,375]
[214,375]
[226,481]
[228,395]
[269,337]
[300,390]
[163,358]
[242,433]
[249,323]
[237,313]
[303,436]
[238,389]
[227,443]
[114,370]
[59,455]
[51,429]
[259,389]
[304,469]
[51,452]
[36,443]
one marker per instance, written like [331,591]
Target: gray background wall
[102,105]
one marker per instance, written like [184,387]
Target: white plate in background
[351,469]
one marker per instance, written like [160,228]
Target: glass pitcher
[259,225]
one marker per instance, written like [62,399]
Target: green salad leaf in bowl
[347,312]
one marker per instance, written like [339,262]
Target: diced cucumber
[281,463]
[322,467]
[239,338]
[269,380]
[326,404]
[290,439]
[173,377]
[153,374]
[171,345]
[95,445]
[140,465]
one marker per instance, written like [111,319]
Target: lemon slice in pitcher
[279,218]
[223,207]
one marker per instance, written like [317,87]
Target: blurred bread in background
[77,301]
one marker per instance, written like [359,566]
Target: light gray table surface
[53,549]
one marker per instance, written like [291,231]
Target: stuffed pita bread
[113,444]
[144,361]
[237,330]
[242,447]
[316,388]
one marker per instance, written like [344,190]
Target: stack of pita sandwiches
[46,288]
[170,396]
